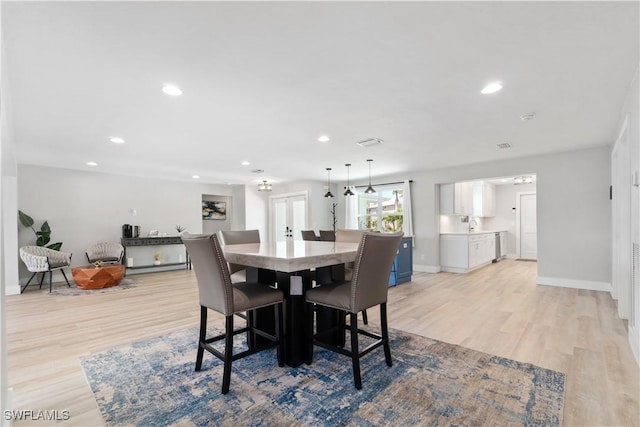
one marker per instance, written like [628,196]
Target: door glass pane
[280,220]
[298,215]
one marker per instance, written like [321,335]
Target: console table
[139,252]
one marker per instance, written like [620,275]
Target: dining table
[294,266]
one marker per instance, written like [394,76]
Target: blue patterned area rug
[152,383]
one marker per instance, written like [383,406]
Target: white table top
[291,256]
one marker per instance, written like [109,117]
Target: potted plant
[43,236]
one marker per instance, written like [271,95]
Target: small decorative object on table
[157,256]
[98,263]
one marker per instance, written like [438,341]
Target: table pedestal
[298,317]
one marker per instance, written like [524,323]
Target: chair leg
[42,278]
[65,278]
[50,279]
[29,281]
[355,353]
[385,334]
[280,334]
[203,336]
[365,319]
[228,355]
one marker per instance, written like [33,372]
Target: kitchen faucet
[472,225]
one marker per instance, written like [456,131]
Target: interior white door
[288,217]
[622,230]
[528,227]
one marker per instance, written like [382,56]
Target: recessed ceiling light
[527,117]
[92,164]
[324,138]
[504,145]
[117,140]
[195,176]
[245,163]
[491,88]
[171,90]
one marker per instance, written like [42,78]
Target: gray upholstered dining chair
[39,259]
[237,237]
[216,292]
[368,288]
[327,235]
[351,236]
[107,252]
[309,235]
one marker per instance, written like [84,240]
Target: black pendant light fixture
[328,195]
[348,192]
[369,189]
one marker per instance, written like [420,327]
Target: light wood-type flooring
[498,309]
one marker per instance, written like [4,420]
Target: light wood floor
[497,309]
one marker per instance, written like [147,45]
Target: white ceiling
[263,80]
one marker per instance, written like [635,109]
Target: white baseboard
[574,283]
[634,342]
[426,268]
[12,290]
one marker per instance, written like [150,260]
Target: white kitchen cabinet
[460,253]
[484,203]
[456,198]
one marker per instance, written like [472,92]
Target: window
[381,211]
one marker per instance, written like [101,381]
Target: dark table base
[298,317]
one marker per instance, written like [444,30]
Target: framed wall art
[214,210]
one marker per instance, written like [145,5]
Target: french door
[288,215]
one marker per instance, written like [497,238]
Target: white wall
[88,207]
[574,218]
[257,208]
[8,233]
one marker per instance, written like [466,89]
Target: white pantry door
[528,227]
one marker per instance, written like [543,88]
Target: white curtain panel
[408,215]
[351,210]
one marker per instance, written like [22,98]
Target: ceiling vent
[504,145]
[527,117]
[369,142]
[257,171]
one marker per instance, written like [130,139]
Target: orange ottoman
[90,277]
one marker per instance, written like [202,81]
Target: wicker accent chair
[107,252]
[39,259]
[368,288]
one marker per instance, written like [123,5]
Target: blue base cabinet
[402,268]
